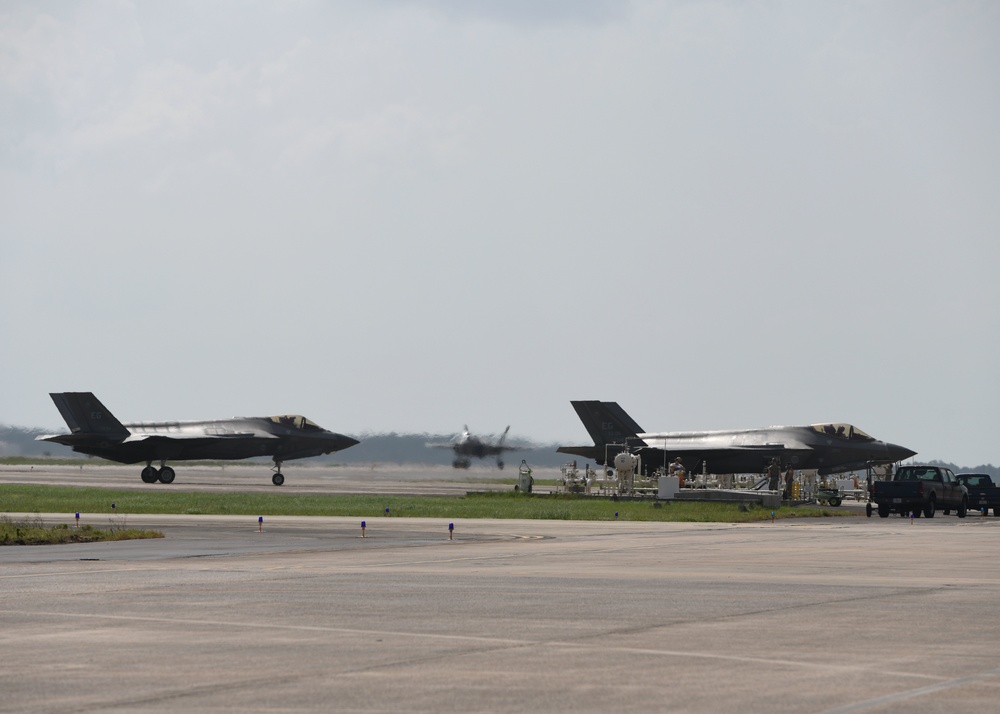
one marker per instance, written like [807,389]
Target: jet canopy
[295,421]
[842,431]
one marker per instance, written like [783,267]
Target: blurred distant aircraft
[95,430]
[467,445]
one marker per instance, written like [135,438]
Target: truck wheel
[883,510]
[868,510]
[930,508]
[946,511]
[963,509]
[996,512]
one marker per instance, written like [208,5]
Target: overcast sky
[409,216]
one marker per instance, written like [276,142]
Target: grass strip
[34,532]
[29,498]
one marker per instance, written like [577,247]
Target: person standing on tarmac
[789,481]
[676,468]
[773,474]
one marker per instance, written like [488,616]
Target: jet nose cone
[899,453]
[332,441]
[341,441]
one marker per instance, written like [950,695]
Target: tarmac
[303,614]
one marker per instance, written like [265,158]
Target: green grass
[34,532]
[26,498]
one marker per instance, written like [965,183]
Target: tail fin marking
[606,422]
[84,414]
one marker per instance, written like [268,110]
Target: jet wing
[595,453]
[694,447]
[182,436]
[719,441]
[450,445]
[66,439]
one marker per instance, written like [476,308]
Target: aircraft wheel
[500,465]
[868,510]
[167,475]
[149,475]
[278,479]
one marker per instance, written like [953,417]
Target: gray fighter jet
[467,445]
[94,430]
[828,448]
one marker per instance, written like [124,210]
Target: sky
[412,215]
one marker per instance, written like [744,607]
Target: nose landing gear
[278,478]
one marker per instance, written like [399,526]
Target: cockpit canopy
[295,421]
[842,431]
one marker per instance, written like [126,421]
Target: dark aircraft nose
[898,453]
[339,442]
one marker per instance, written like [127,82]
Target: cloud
[167,103]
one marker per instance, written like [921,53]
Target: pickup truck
[920,489]
[983,493]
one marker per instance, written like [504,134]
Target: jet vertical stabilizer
[84,413]
[607,423]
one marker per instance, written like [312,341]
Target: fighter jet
[467,445]
[827,448]
[94,430]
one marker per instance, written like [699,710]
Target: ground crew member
[676,468]
[773,474]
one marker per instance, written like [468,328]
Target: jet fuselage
[240,438]
[827,448]
[94,430]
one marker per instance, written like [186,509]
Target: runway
[300,477]
[839,615]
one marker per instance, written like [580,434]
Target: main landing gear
[164,474]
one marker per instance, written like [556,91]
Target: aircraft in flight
[95,430]
[827,448]
[467,445]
